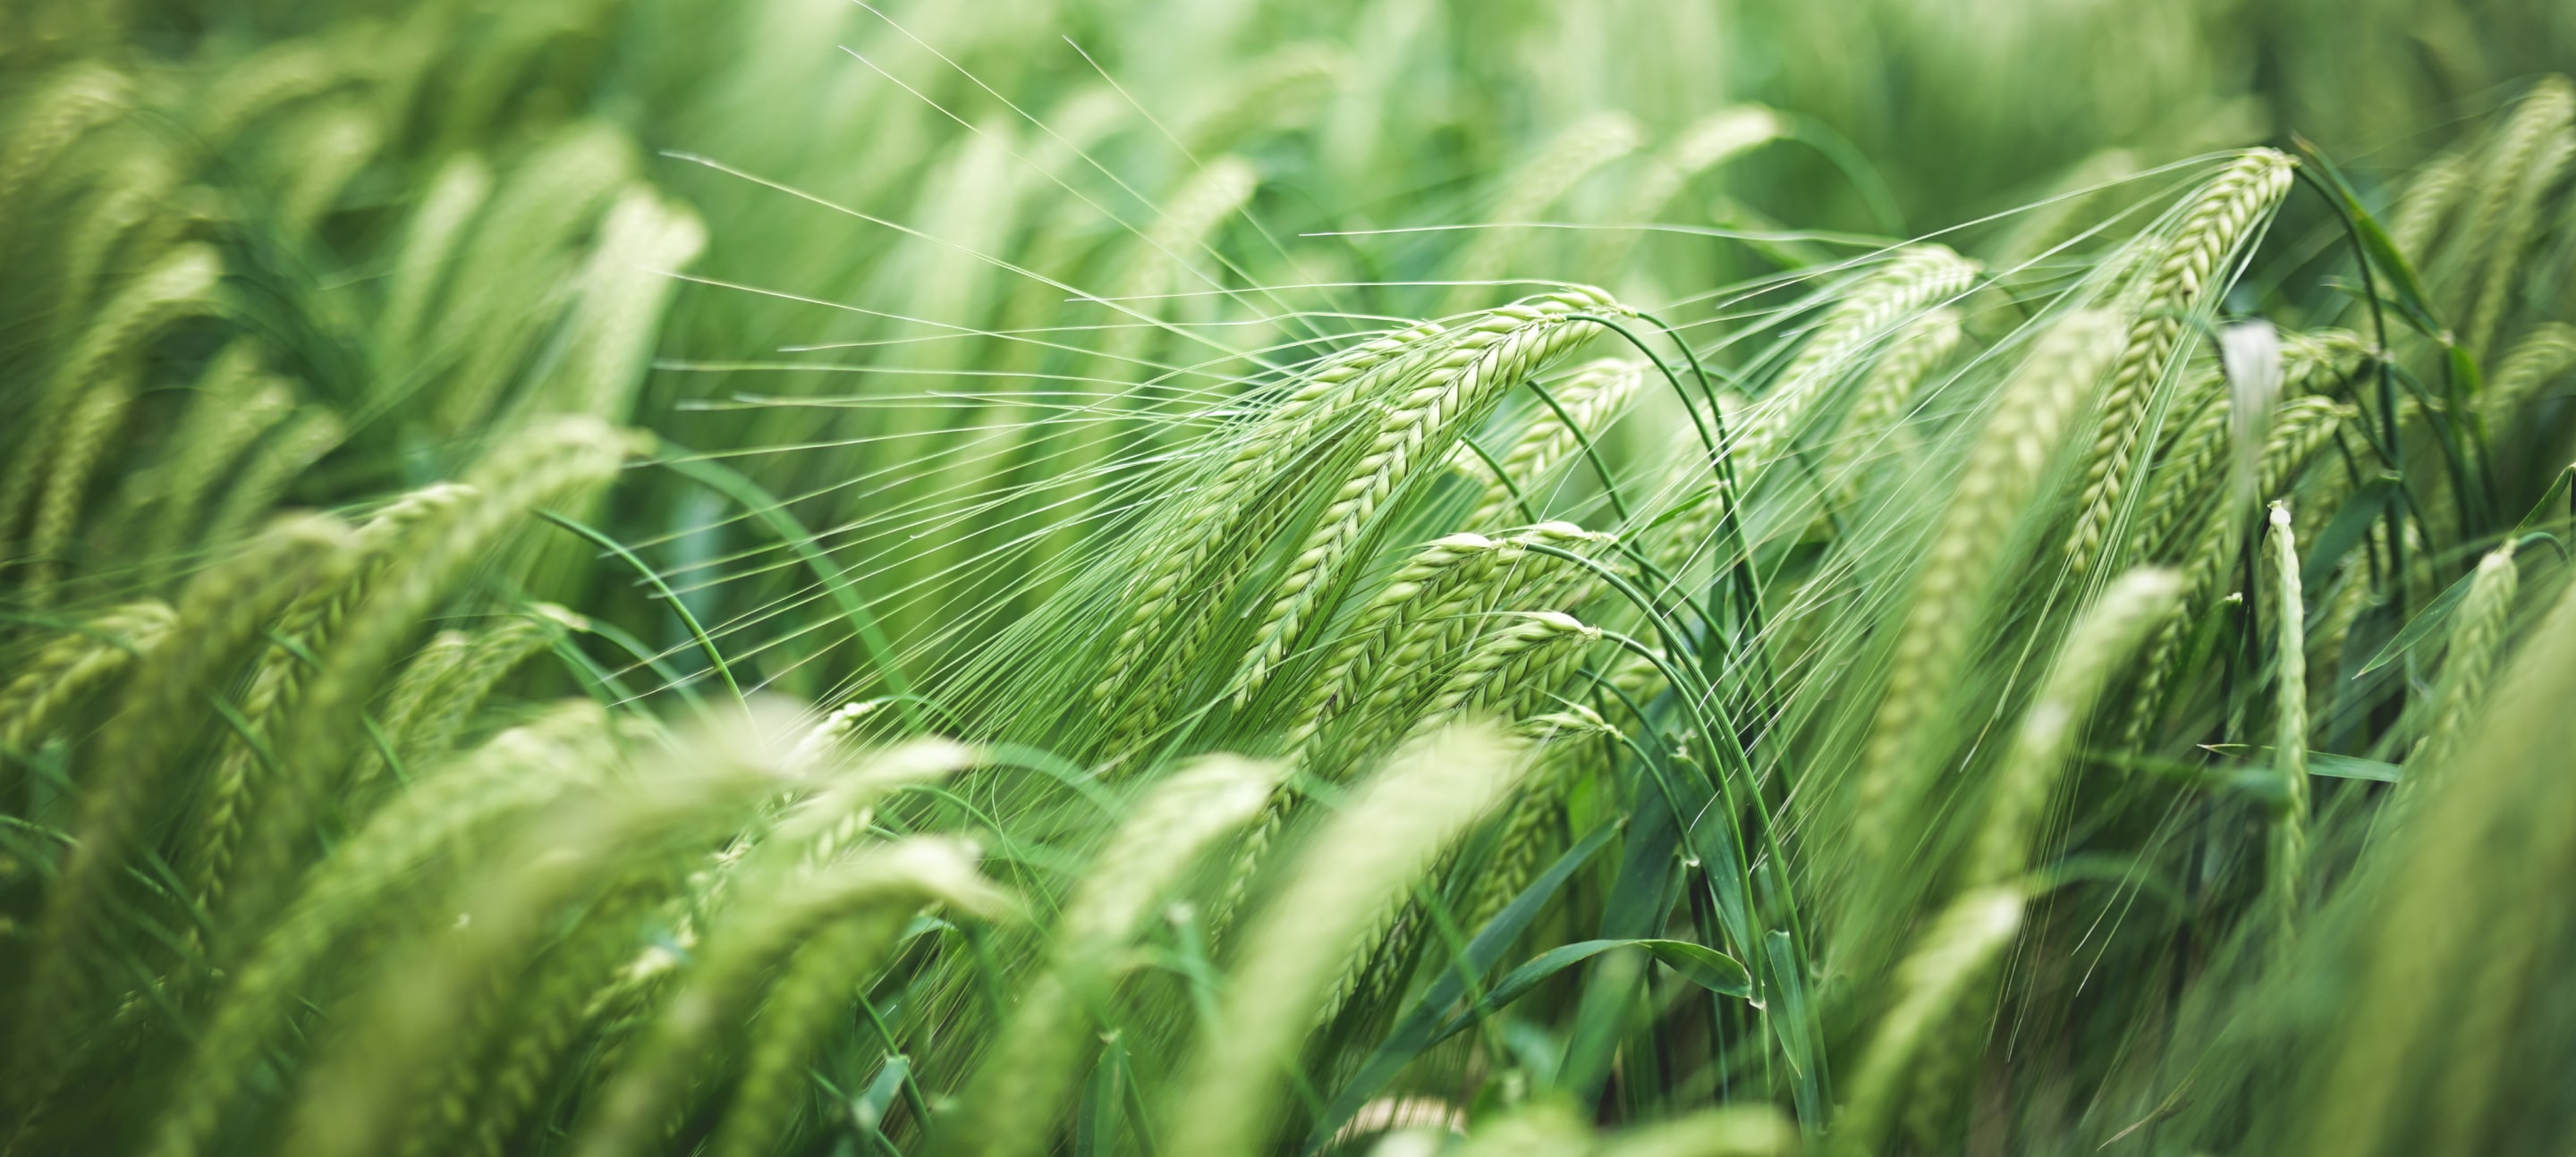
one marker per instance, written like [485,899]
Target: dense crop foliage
[1211,578]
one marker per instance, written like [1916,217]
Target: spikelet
[221,612]
[1446,579]
[2477,633]
[2028,419]
[2320,361]
[1948,958]
[2222,219]
[1578,151]
[2544,353]
[139,189]
[69,668]
[878,890]
[1917,278]
[1360,864]
[1887,395]
[1576,744]
[1592,395]
[518,770]
[1174,243]
[1015,1095]
[2285,874]
[1508,670]
[2097,647]
[1476,365]
[549,1015]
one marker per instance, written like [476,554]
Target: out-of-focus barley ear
[2097,648]
[182,284]
[432,725]
[1887,395]
[528,229]
[2546,352]
[1476,365]
[1578,151]
[1274,90]
[2222,219]
[1711,141]
[1017,1092]
[358,886]
[430,242]
[1917,278]
[231,407]
[625,288]
[1733,1131]
[331,145]
[1357,865]
[2436,189]
[93,423]
[67,670]
[305,628]
[1592,396]
[2285,879]
[221,612]
[2521,161]
[2477,634]
[272,467]
[877,890]
[539,465]
[1949,957]
[279,75]
[65,107]
[401,1033]
[2024,427]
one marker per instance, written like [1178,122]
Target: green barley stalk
[1582,149]
[2286,867]
[1886,395]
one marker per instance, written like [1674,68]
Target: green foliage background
[816,577]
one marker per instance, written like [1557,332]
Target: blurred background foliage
[426,217]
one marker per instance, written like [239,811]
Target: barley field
[1193,578]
